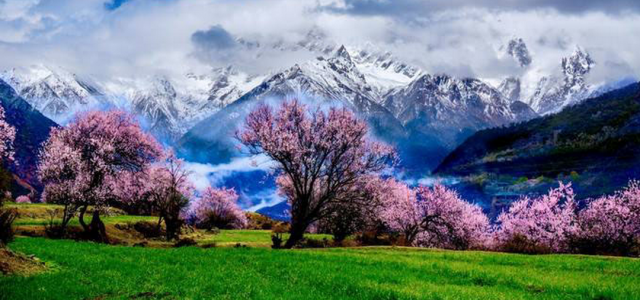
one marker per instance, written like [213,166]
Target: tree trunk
[295,234]
[83,210]
[98,230]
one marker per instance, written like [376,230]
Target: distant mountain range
[425,116]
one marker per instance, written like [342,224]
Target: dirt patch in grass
[12,263]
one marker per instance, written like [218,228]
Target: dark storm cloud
[213,39]
[415,8]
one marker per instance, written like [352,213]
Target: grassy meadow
[86,270]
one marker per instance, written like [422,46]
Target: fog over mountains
[424,115]
[172,106]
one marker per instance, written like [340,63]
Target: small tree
[162,188]
[217,208]
[80,162]
[541,224]
[321,157]
[447,221]
[400,210]
[611,224]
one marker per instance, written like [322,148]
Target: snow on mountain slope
[453,108]
[335,79]
[557,91]
[168,107]
[53,91]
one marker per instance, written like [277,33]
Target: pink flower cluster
[23,199]
[322,157]
[217,208]
[547,221]
[611,224]
[81,162]
[450,222]
[434,217]
[7,136]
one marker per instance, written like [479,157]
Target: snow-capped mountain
[510,88]
[449,107]
[168,107]
[53,91]
[335,79]
[557,91]
[171,107]
[424,119]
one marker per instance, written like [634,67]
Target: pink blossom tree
[447,221]
[542,224]
[217,208]
[163,188]
[80,161]
[321,156]
[611,224]
[7,136]
[400,210]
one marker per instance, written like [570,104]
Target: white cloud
[204,175]
[147,37]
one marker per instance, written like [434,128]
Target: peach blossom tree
[320,156]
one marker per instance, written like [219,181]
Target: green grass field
[38,214]
[253,238]
[82,270]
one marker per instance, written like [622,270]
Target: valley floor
[84,270]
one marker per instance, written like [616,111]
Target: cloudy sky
[108,38]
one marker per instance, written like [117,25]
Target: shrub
[277,235]
[217,208]
[185,242]
[23,199]
[520,244]
[611,224]
[447,221]
[259,221]
[54,229]
[545,222]
[148,229]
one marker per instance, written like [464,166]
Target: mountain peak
[517,49]
[342,53]
[578,64]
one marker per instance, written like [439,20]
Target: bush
[148,229]
[313,243]
[277,235]
[540,223]
[520,244]
[610,224]
[23,199]
[217,208]
[373,238]
[185,242]
[260,222]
